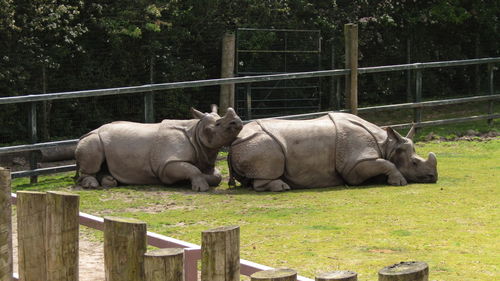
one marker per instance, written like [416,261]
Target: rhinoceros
[165,152]
[336,149]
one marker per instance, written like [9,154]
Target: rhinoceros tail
[233,174]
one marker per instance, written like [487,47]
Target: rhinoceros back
[309,149]
[136,153]
[357,140]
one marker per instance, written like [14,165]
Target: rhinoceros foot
[199,184]
[108,181]
[396,179]
[89,182]
[273,185]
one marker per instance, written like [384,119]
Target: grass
[453,225]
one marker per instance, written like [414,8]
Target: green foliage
[452,225]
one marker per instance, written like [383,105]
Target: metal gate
[275,51]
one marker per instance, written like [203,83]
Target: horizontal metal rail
[43,171]
[424,65]
[168,86]
[237,80]
[429,103]
[30,147]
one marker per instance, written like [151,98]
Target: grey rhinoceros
[336,149]
[165,152]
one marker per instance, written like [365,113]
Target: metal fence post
[249,101]
[149,113]
[491,91]
[351,62]
[33,139]
[418,96]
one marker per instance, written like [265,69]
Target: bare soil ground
[91,256]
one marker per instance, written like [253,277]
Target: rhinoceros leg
[89,157]
[371,168]
[178,171]
[270,185]
[261,160]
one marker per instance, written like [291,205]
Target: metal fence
[147,91]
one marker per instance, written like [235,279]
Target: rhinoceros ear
[197,114]
[214,108]
[392,134]
[411,133]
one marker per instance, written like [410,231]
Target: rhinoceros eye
[217,123]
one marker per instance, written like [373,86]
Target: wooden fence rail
[48,242]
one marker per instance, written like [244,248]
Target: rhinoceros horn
[432,160]
[411,132]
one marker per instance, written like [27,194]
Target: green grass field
[453,225]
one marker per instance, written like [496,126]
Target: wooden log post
[6,269]
[220,254]
[405,271]
[227,71]
[278,274]
[351,62]
[124,248]
[61,242]
[164,264]
[340,275]
[31,235]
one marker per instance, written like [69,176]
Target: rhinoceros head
[413,167]
[216,131]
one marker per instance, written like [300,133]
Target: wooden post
[61,242]
[6,269]
[340,275]
[408,72]
[491,90]
[220,252]
[164,264]
[278,274]
[31,235]
[124,248]
[351,62]
[227,71]
[417,112]
[249,101]
[405,271]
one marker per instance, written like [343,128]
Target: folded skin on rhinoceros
[166,152]
[336,149]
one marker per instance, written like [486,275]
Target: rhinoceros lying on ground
[165,152]
[335,149]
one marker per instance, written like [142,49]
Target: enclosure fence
[147,91]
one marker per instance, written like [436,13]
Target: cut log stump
[220,254]
[164,264]
[278,274]
[405,271]
[339,275]
[124,247]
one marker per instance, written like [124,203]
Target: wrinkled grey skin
[166,152]
[336,149]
